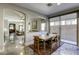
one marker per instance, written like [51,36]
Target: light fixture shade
[49,4]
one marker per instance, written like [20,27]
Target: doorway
[14,31]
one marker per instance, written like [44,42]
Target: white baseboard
[71,42]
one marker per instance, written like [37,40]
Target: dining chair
[55,43]
[38,43]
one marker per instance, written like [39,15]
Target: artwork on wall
[34,25]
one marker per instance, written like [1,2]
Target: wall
[1,29]
[78,28]
[6,30]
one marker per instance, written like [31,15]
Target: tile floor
[67,49]
[13,49]
[16,49]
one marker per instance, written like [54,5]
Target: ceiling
[42,8]
[13,16]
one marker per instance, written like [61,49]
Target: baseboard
[69,42]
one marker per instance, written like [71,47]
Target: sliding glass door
[66,27]
[55,25]
[69,28]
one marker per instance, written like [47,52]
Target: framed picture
[34,25]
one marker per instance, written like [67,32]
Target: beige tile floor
[13,49]
[18,49]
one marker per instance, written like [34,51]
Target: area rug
[48,51]
[41,51]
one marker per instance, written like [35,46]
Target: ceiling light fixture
[49,4]
[58,4]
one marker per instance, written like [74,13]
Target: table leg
[51,45]
[44,47]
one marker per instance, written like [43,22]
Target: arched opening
[14,29]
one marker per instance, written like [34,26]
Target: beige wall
[1,28]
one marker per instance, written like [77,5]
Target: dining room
[31,33]
[45,42]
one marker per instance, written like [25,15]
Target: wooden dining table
[45,38]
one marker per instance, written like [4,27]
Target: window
[74,21]
[68,22]
[42,26]
[63,22]
[51,23]
[56,22]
